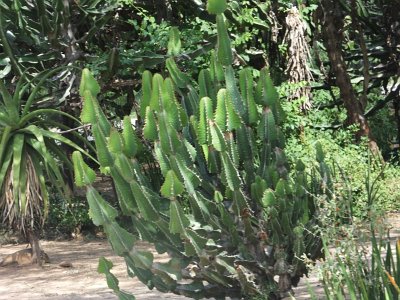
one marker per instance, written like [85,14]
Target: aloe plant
[227,211]
[30,155]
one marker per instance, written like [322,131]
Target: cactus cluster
[227,211]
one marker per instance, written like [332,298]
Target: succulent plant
[227,211]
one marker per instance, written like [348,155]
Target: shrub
[219,149]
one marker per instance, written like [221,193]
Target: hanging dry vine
[28,211]
[298,55]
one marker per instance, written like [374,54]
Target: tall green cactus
[227,211]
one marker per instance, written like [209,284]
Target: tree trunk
[36,251]
[332,26]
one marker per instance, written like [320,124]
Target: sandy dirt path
[79,282]
[82,280]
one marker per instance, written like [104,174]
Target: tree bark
[36,251]
[332,26]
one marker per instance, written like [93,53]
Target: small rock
[65,264]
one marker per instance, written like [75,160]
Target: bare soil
[82,280]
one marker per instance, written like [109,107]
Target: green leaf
[178,220]
[246,88]
[84,175]
[233,91]
[103,154]
[224,47]
[217,137]
[179,78]
[131,142]
[231,173]
[216,6]
[88,83]
[141,259]
[121,240]
[266,94]
[174,43]
[205,115]
[100,211]
[220,116]
[268,198]
[168,135]
[104,266]
[206,86]
[115,142]
[187,173]
[18,145]
[146,92]
[156,92]
[150,130]
[145,200]
[171,187]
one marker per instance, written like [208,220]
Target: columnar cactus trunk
[228,212]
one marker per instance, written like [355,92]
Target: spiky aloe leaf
[88,113]
[115,142]
[266,93]
[232,148]
[177,218]
[217,137]
[216,7]
[162,158]
[172,186]
[150,130]
[121,180]
[197,243]
[142,259]
[88,83]
[147,79]
[145,200]
[233,91]
[246,88]
[267,127]
[84,175]
[92,113]
[169,139]
[206,86]
[220,116]
[233,120]
[245,142]
[188,175]
[104,267]
[320,155]
[224,47]
[131,143]
[216,69]
[100,211]
[268,198]
[231,174]
[258,188]
[103,154]
[176,117]
[121,240]
[174,43]
[156,92]
[180,79]
[203,132]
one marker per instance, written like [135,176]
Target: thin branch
[76,128]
